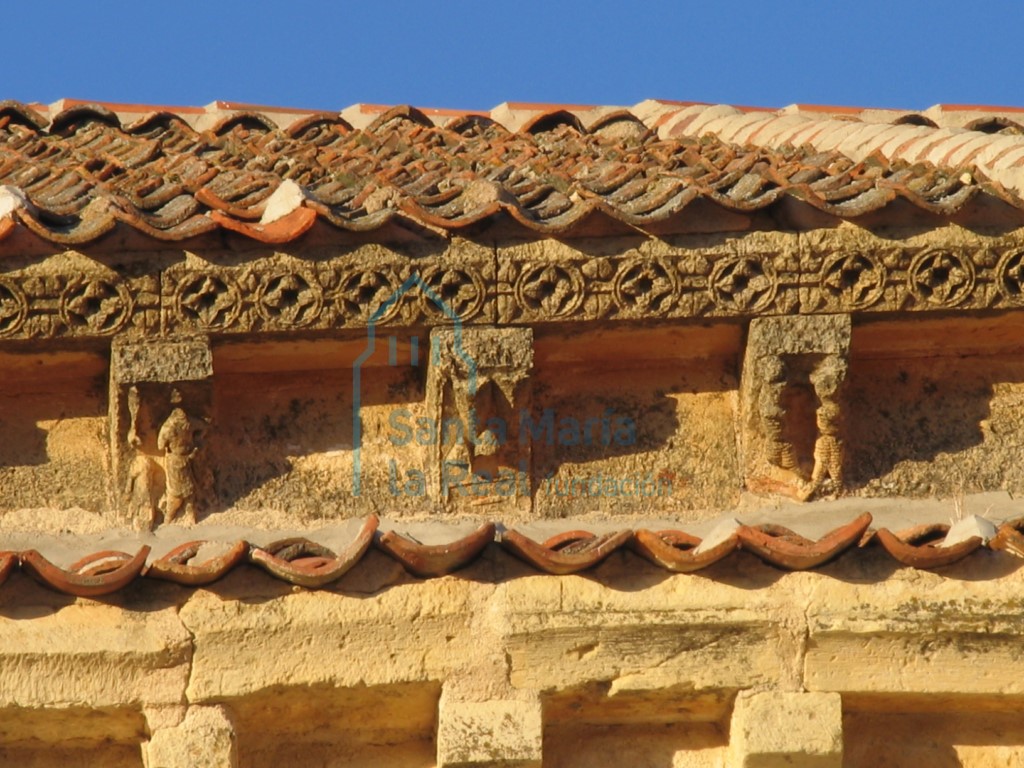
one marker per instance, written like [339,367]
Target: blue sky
[474,55]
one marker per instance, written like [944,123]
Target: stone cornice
[327,290]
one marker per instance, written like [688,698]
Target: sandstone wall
[857,664]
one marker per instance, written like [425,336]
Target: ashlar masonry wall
[858,664]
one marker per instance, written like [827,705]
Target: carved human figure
[179,439]
[475,414]
[487,408]
[827,380]
[141,487]
[778,450]
[479,380]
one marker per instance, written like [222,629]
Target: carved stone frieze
[285,294]
[543,282]
[13,307]
[743,276]
[87,303]
[852,280]
[894,276]
[1010,276]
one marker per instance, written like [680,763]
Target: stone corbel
[478,385]
[205,738]
[478,732]
[777,728]
[791,436]
[161,394]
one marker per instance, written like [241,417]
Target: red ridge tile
[93,576]
[427,561]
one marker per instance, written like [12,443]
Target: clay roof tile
[165,173]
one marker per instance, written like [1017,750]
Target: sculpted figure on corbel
[181,439]
[144,483]
[777,448]
[827,380]
[791,405]
[160,405]
[478,384]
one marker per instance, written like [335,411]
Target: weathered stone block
[161,360]
[88,654]
[781,730]
[489,733]
[799,335]
[205,739]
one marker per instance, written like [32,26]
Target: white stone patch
[971,526]
[12,199]
[288,197]
[720,533]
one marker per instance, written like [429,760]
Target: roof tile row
[75,177]
[305,563]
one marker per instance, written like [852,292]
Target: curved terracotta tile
[566,553]
[353,223]
[15,109]
[190,227]
[616,117]
[94,575]
[8,561]
[551,119]
[769,127]
[915,118]
[997,149]
[917,548]
[900,139]
[834,133]
[159,118]
[862,143]
[556,225]
[228,122]
[921,151]
[211,200]
[307,564]
[418,213]
[674,123]
[786,549]
[303,124]
[966,153]
[1009,538]
[403,111]
[177,565]
[732,128]
[994,124]
[799,136]
[470,122]
[950,203]
[941,154]
[548,183]
[283,230]
[426,561]
[693,124]
[83,231]
[676,551]
[7,226]
[67,118]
